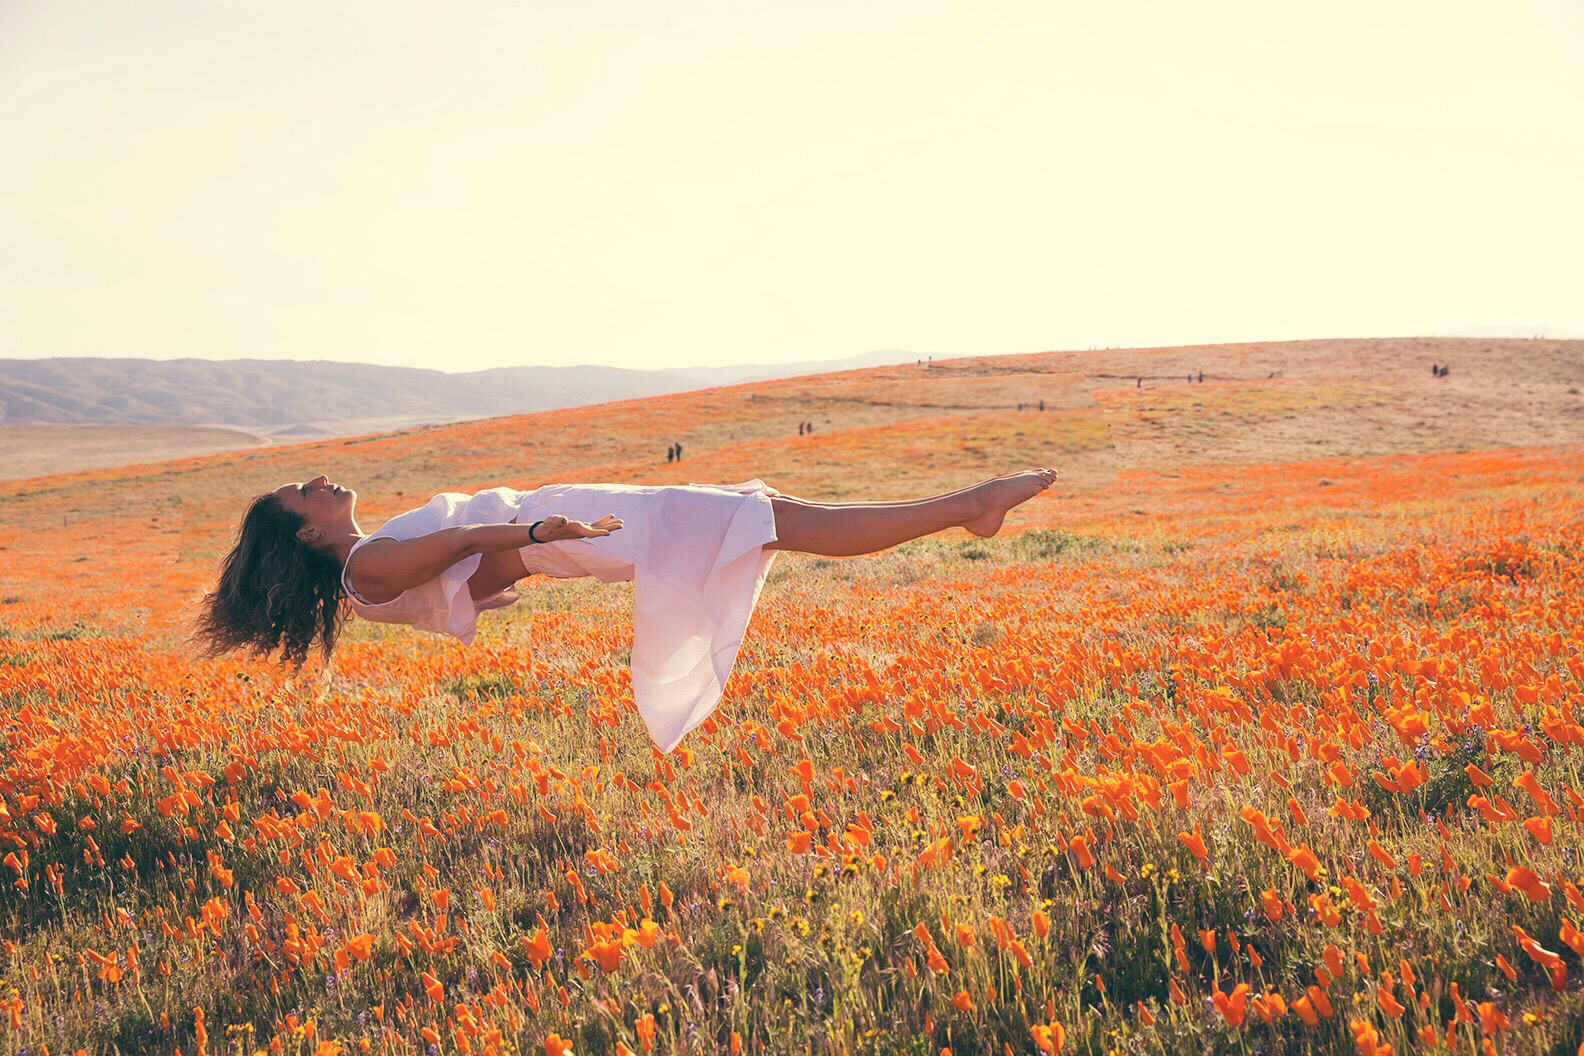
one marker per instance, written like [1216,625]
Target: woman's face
[325,506]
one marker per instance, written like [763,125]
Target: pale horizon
[699,185]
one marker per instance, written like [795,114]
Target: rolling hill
[896,431]
[271,394]
[59,415]
[293,397]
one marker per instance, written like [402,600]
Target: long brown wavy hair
[275,591]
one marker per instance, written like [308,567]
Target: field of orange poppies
[1262,733]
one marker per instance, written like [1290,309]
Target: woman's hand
[557,527]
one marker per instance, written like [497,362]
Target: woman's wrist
[533,533]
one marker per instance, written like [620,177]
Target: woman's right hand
[556,527]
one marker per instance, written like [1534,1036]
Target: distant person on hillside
[697,555]
[670,453]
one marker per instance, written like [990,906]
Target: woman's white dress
[694,554]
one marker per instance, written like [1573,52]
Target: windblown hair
[275,592]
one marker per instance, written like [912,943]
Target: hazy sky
[667,182]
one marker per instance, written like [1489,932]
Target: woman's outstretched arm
[387,567]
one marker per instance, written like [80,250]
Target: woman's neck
[341,546]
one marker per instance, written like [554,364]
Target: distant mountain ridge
[320,396]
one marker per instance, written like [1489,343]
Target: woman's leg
[849,529]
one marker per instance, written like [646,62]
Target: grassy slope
[1239,540]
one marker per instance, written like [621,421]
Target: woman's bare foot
[999,494]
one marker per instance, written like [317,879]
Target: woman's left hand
[557,527]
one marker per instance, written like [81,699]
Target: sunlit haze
[667,184]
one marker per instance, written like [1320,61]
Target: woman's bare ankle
[997,496]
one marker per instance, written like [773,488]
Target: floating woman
[697,557]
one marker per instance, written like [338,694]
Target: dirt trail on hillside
[35,450]
[1293,401]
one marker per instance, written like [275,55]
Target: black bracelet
[531,534]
